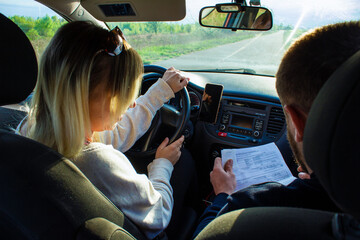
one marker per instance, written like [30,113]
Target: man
[305,67]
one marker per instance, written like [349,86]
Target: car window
[39,23]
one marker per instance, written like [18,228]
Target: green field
[160,47]
[154,41]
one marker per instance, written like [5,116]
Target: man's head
[305,67]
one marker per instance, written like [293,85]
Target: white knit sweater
[147,201]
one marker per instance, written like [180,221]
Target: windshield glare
[188,46]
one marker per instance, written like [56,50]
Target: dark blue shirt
[300,193]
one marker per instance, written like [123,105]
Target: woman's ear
[298,119]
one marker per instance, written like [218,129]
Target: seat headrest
[18,64]
[332,136]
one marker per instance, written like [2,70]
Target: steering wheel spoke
[151,133]
[170,115]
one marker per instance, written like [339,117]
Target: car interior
[45,196]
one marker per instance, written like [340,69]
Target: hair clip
[116,41]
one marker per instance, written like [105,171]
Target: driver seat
[42,194]
[331,148]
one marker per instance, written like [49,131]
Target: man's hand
[302,174]
[175,79]
[171,152]
[223,179]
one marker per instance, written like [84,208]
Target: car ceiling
[145,10]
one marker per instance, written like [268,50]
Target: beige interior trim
[66,7]
[145,10]
[72,9]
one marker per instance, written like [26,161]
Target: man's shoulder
[299,193]
[260,194]
[271,188]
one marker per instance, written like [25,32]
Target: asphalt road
[262,54]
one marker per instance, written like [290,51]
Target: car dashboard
[250,114]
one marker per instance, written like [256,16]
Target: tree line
[46,26]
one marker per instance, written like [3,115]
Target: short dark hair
[312,59]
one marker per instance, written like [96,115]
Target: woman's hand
[175,79]
[223,179]
[171,152]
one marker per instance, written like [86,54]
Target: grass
[156,53]
[39,45]
[158,47]
[296,35]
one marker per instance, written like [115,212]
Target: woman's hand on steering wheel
[175,79]
[168,116]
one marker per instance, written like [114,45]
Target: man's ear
[298,118]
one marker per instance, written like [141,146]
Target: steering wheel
[168,115]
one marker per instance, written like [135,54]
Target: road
[262,54]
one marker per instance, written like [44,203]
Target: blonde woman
[88,78]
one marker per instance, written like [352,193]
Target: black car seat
[42,194]
[331,148]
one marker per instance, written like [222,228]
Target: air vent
[246,104]
[276,121]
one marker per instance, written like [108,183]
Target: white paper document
[256,165]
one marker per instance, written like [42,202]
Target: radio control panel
[249,121]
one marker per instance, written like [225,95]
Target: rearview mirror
[236,17]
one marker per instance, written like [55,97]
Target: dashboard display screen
[242,121]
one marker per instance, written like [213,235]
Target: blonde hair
[312,59]
[72,66]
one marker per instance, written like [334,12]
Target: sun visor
[136,10]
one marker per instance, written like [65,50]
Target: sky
[25,7]
[303,13]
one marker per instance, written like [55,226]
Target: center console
[250,122]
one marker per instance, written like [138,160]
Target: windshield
[188,46]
